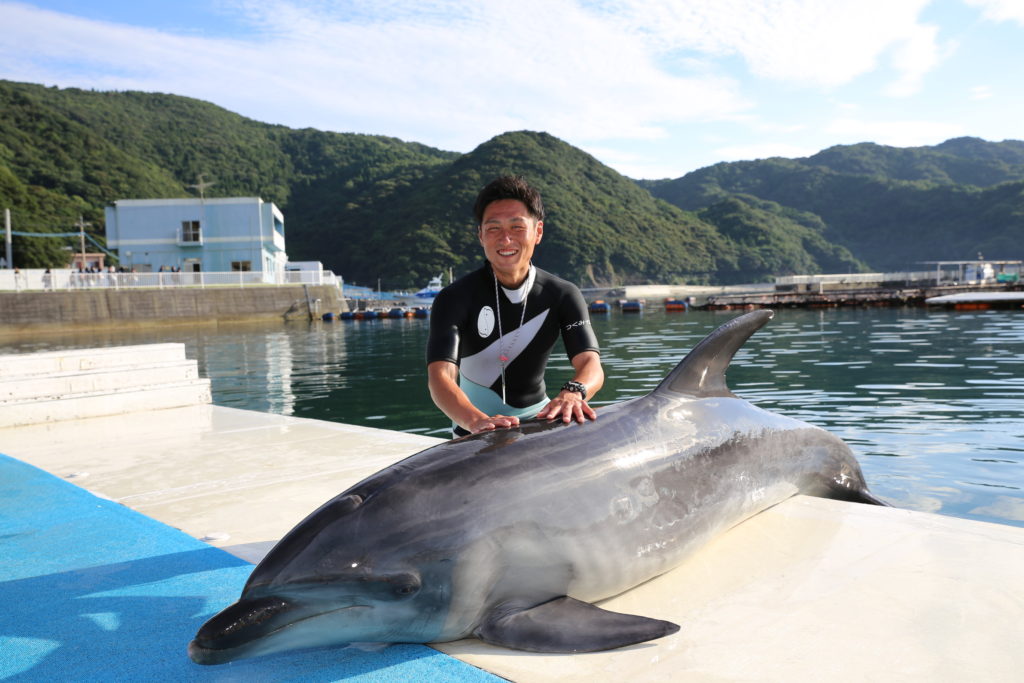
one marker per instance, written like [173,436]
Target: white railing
[858,278]
[65,279]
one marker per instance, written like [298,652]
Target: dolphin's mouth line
[206,650]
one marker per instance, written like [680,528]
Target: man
[492,331]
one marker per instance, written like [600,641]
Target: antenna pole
[201,186]
[7,238]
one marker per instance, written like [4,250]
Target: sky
[652,89]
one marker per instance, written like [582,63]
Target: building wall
[148,234]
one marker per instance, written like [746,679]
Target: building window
[190,232]
[243,266]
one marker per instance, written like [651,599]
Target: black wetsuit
[464,331]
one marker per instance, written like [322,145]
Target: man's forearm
[449,396]
[588,371]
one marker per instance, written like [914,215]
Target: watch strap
[578,387]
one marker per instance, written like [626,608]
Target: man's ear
[540,231]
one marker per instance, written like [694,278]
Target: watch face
[578,387]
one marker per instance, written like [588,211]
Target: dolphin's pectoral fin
[569,625]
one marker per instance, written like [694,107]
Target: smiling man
[492,331]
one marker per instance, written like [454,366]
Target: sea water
[930,401]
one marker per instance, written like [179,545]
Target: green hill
[890,207]
[374,207]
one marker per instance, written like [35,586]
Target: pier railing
[857,278]
[66,279]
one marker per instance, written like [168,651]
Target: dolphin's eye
[406,589]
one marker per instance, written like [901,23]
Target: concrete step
[85,360]
[38,388]
[66,384]
[97,404]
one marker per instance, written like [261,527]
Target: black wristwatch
[578,387]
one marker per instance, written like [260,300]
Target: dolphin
[511,535]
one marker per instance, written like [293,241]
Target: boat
[422,298]
[978,301]
[600,306]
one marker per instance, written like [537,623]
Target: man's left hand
[568,406]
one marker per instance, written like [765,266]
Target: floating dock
[873,296]
[120,534]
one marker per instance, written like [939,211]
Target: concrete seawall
[28,310]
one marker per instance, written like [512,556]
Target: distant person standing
[492,331]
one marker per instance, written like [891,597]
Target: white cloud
[913,58]
[1000,10]
[980,92]
[896,133]
[600,74]
[637,165]
[450,74]
[763,150]
[814,42]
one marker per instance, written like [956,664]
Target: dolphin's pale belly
[636,511]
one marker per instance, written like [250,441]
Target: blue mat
[91,590]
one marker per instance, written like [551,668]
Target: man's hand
[486,424]
[568,406]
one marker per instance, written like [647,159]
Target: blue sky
[653,89]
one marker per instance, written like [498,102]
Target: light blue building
[198,235]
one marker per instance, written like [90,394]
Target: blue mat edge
[397,662]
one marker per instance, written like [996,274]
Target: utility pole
[81,225]
[7,238]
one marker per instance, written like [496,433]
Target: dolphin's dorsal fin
[702,372]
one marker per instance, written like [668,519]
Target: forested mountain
[889,206]
[375,207]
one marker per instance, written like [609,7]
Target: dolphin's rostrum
[510,535]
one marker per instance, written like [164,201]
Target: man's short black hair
[509,187]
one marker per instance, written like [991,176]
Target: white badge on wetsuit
[485,322]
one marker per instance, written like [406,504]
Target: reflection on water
[929,401]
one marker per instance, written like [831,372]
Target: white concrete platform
[809,590]
[83,383]
[53,386]
[81,360]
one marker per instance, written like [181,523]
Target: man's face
[508,235]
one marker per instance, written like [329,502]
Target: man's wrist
[578,387]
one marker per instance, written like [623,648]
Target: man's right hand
[486,424]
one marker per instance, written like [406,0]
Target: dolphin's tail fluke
[856,495]
[702,372]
